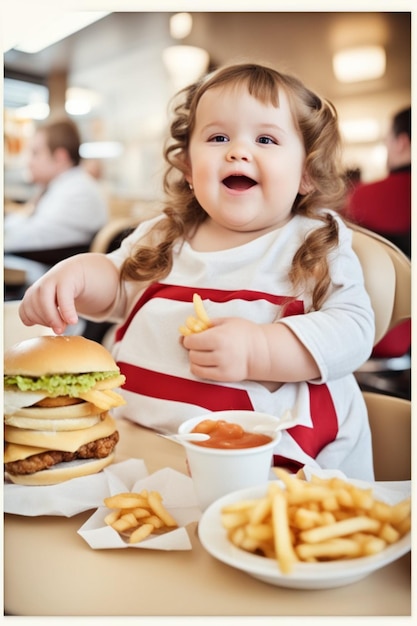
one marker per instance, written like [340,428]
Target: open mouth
[239,183]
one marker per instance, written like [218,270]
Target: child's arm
[234,349]
[85,283]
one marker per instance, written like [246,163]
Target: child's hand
[225,351]
[50,301]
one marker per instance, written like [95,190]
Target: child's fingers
[66,306]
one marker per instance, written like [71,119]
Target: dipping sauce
[228,435]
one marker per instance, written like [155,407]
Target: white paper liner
[178,497]
[70,497]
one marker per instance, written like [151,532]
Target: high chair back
[390,421]
[387,273]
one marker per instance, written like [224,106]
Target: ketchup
[228,436]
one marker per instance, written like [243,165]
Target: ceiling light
[79,101]
[185,64]
[60,27]
[358,64]
[101,150]
[180,25]
[360,131]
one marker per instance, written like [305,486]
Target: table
[49,570]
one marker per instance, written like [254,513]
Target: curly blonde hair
[315,119]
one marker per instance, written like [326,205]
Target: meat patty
[98,449]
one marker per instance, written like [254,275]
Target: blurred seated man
[70,209]
[384,206]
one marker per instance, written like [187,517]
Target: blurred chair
[387,274]
[110,236]
[106,240]
[390,421]
[52,256]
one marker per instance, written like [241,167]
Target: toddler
[251,223]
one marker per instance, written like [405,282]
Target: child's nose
[238,151]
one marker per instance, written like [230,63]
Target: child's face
[246,160]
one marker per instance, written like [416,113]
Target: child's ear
[306,184]
[187,172]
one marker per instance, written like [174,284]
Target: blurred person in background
[70,208]
[384,206]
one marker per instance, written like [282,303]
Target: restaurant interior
[114,74]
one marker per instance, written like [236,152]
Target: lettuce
[59,384]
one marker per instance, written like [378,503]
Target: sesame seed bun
[51,354]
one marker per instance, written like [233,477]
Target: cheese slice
[16,452]
[60,440]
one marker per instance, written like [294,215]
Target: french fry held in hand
[199,323]
[138,515]
[320,520]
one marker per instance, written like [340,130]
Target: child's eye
[266,140]
[219,138]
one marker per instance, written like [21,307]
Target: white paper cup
[215,471]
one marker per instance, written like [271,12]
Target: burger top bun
[51,354]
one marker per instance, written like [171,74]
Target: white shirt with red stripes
[251,281]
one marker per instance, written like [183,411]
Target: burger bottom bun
[62,472]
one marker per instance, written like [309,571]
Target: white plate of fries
[241,528]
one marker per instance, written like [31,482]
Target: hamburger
[58,391]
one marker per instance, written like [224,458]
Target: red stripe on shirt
[213,397]
[167,387]
[185,294]
[324,419]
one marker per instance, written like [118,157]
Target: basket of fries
[151,512]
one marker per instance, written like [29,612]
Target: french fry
[198,324]
[141,533]
[234,519]
[320,520]
[125,501]
[155,502]
[340,529]
[116,398]
[200,310]
[260,511]
[138,515]
[262,532]
[102,398]
[282,537]
[112,517]
[334,548]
